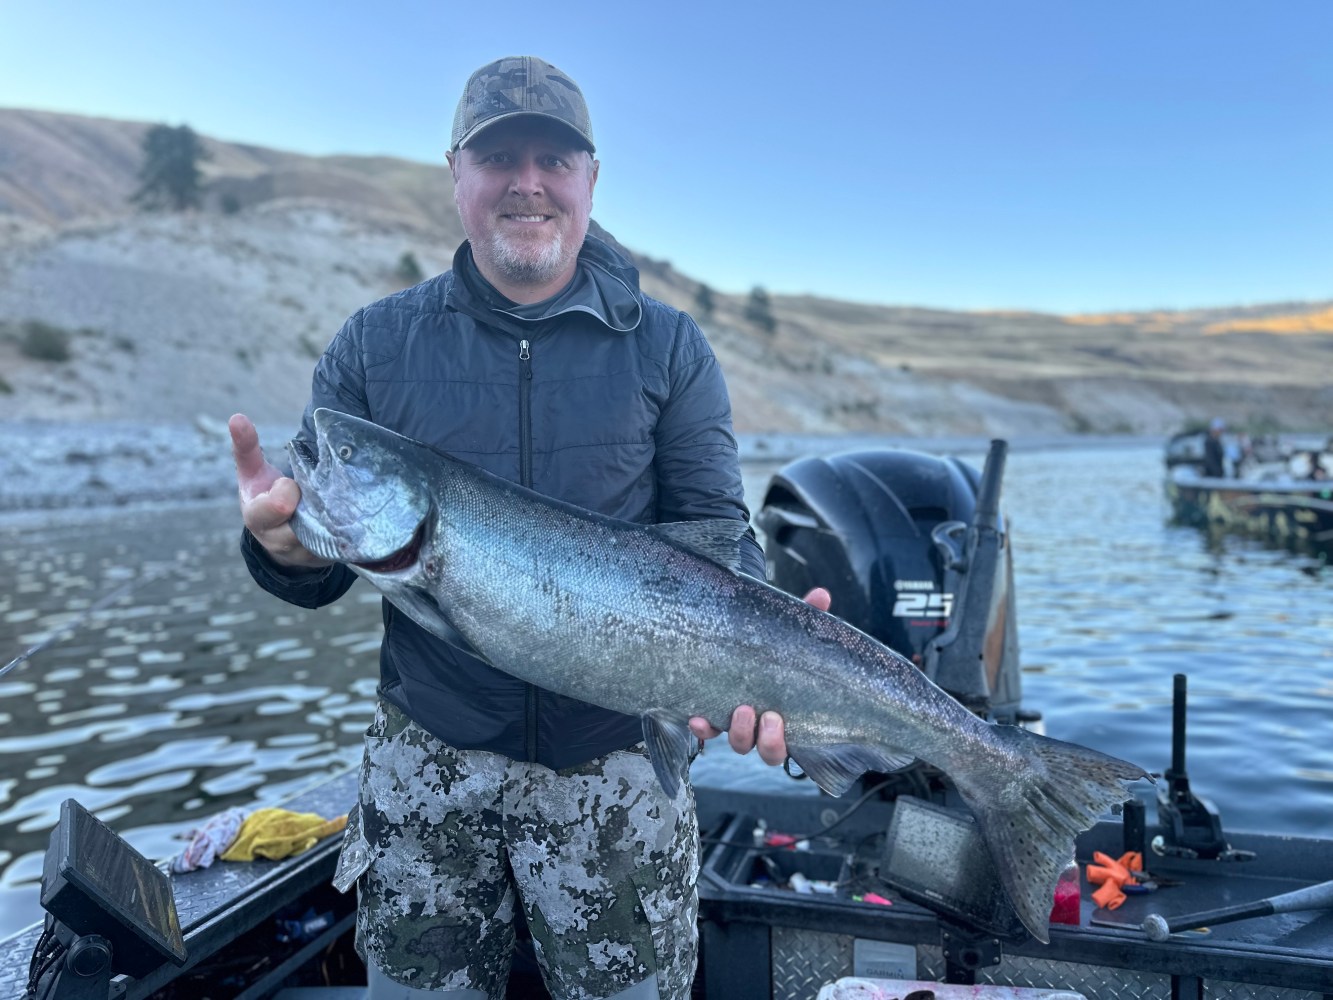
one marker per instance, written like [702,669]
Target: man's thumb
[245,446]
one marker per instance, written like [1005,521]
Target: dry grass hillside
[109,314]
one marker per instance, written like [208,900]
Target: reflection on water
[193,690]
[190,692]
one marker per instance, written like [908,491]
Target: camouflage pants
[446,841]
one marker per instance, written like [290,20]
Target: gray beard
[522,266]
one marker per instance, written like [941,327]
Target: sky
[1073,156]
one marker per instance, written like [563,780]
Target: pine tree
[170,176]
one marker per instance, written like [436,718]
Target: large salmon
[657,622]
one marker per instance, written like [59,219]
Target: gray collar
[593,290]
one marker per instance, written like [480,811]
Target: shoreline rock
[54,466]
[50,466]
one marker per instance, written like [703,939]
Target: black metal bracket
[966,952]
[76,967]
[1190,825]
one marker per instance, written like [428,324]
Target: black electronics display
[94,882]
[935,857]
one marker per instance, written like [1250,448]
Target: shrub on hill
[44,342]
[759,310]
[409,270]
[704,303]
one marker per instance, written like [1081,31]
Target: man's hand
[268,498]
[768,734]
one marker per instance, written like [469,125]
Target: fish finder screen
[935,851]
[96,883]
[936,857]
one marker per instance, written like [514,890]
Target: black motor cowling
[897,538]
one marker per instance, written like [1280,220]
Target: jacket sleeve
[339,384]
[697,460]
[306,588]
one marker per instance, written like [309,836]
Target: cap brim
[477,130]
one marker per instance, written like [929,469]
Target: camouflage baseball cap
[520,85]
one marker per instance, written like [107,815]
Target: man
[535,357]
[1214,451]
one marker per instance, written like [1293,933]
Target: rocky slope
[108,315]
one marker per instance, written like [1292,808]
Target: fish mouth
[404,558]
[303,459]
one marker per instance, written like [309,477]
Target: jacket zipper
[525,478]
[524,414]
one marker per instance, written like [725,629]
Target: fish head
[365,499]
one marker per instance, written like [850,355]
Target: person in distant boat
[538,358]
[1214,451]
[1317,469]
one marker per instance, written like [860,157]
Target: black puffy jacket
[608,399]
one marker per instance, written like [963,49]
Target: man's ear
[453,165]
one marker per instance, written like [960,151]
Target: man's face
[524,192]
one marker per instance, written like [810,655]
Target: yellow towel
[280,833]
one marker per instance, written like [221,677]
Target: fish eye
[345,452]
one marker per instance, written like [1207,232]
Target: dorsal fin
[717,538]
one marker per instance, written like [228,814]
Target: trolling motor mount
[1191,827]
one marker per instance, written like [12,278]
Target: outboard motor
[914,552]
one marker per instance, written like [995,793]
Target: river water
[182,689]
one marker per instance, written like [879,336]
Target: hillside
[106,314]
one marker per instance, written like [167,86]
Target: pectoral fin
[836,768]
[668,739]
[422,609]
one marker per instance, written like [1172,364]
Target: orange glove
[1113,874]
[1109,896]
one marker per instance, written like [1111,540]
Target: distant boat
[1282,493]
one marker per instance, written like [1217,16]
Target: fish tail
[1030,812]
